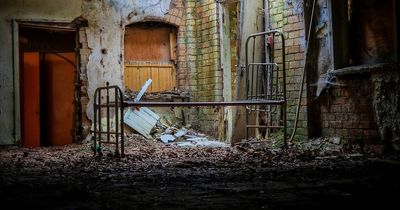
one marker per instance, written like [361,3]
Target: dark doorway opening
[47,83]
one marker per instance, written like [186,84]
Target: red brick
[370,133]
[355,132]
[364,124]
[336,124]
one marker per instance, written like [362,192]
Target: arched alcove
[150,53]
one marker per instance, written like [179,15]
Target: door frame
[52,25]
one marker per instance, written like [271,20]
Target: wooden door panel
[59,98]
[144,75]
[155,76]
[145,43]
[30,94]
[131,79]
[163,76]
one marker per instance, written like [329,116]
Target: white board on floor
[142,120]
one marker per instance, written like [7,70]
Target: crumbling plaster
[105,36]
[297,6]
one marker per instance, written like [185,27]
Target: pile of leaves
[143,154]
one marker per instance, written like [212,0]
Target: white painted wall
[107,21]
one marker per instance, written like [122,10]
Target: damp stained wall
[251,22]
[38,10]
[105,37]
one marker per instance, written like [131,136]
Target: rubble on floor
[320,148]
[155,126]
[142,120]
[184,137]
[327,144]
[159,96]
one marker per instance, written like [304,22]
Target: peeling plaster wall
[38,10]
[105,36]
[297,6]
[321,32]
[102,42]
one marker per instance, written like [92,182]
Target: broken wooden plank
[142,120]
[143,90]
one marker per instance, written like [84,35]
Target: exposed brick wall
[285,17]
[190,46]
[347,111]
[202,47]
[175,14]
[181,50]
[209,73]
[233,27]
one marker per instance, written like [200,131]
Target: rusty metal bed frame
[265,92]
[115,104]
[265,81]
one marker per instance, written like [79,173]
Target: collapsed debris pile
[152,126]
[184,137]
[165,95]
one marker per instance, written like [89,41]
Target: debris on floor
[200,142]
[153,127]
[327,144]
[166,138]
[184,137]
[70,177]
[160,96]
[156,126]
[142,120]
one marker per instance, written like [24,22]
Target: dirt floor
[157,176]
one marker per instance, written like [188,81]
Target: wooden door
[58,97]
[150,53]
[30,95]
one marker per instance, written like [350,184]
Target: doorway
[47,85]
[150,53]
